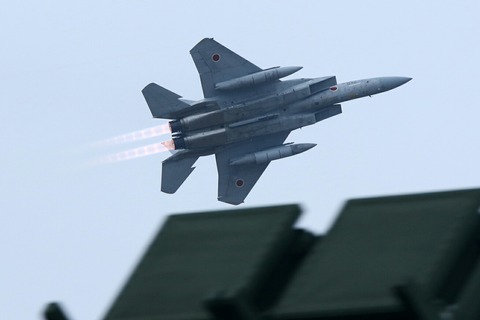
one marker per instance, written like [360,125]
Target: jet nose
[389,83]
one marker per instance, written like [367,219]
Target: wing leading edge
[236,181]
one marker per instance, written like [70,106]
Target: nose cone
[389,83]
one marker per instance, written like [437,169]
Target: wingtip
[229,201]
[204,41]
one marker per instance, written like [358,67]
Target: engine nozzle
[178,142]
[175,126]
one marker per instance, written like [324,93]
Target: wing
[236,181]
[216,63]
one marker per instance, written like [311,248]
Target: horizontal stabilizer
[175,171]
[164,103]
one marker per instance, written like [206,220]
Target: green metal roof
[377,244]
[399,257]
[197,256]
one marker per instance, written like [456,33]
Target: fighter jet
[245,117]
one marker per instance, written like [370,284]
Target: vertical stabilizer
[164,103]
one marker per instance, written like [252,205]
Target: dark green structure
[401,257]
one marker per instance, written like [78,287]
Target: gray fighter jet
[245,116]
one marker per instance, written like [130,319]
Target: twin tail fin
[164,103]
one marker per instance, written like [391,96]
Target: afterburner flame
[169,145]
[137,135]
[135,153]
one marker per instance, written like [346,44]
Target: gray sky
[71,75]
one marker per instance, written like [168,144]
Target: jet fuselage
[245,117]
[297,106]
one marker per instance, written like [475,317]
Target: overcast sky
[72,75]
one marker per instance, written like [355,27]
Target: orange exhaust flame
[136,153]
[137,135]
[169,145]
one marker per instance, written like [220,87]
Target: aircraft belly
[248,129]
[259,128]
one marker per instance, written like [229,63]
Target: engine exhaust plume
[135,153]
[136,135]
